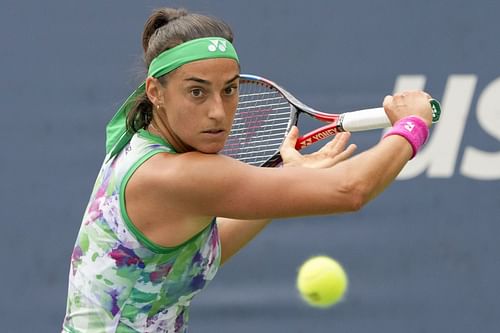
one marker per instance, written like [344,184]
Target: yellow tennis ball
[321,281]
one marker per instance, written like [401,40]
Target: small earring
[158,107]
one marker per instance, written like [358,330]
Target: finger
[348,152]
[333,142]
[342,156]
[387,101]
[291,138]
[342,139]
[287,149]
[388,105]
[336,145]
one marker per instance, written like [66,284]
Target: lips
[214,131]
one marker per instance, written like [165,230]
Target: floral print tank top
[119,280]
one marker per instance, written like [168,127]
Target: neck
[164,131]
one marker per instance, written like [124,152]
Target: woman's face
[198,103]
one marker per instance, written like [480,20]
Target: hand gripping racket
[266,112]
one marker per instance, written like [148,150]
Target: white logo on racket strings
[217,45]
[409,126]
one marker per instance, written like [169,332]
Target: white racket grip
[364,120]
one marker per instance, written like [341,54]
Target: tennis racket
[266,112]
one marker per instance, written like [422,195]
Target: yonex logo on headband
[217,44]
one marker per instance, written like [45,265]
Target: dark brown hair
[165,29]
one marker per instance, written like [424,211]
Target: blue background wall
[423,257]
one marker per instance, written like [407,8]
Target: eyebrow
[203,81]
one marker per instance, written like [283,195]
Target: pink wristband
[413,129]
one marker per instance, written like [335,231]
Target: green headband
[117,135]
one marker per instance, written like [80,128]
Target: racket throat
[319,134]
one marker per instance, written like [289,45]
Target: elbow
[357,195]
[358,201]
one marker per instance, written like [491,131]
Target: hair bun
[158,19]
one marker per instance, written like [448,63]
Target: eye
[196,92]
[230,90]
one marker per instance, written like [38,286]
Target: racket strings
[260,124]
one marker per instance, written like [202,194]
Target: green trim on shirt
[143,239]
[155,138]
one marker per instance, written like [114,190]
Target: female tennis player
[167,209]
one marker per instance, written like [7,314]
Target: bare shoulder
[155,201]
[171,169]
[181,181]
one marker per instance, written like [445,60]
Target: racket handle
[364,120]
[376,118]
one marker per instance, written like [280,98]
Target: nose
[217,110]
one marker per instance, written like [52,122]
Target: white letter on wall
[439,155]
[476,163]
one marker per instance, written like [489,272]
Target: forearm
[236,234]
[373,170]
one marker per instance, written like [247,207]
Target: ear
[154,90]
